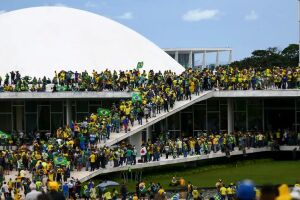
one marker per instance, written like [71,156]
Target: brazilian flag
[136,97]
[4,135]
[140,65]
[60,160]
[103,112]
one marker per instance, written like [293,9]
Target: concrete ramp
[179,105]
[86,175]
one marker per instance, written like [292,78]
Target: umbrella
[107,183]
[4,135]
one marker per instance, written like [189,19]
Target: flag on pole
[102,112]
[136,97]
[140,65]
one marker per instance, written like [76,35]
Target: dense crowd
[54,159]
[50,159]
[225,78]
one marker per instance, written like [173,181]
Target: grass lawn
[261,171]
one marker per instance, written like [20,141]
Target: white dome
[36,41]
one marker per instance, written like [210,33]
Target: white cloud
[198,15]
[90,4]
[2,11]
[251,16]
[126,15]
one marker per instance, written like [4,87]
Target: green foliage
[270,57]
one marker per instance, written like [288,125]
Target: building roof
[196,50]
[37,41]
[290,93]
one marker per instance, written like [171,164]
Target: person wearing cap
[246,191]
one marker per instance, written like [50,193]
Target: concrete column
[230,57]
[230,116]
[68,111]
[136,140]
[204,60]
[217,59]
[191,59]
[176,56]
[148,133]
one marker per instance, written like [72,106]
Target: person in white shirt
[4,189]
[33,194]
[143,153]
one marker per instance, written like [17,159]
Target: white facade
[37,41]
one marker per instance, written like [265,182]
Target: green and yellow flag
[102,112]
[4,135]
[60,160]
[140,65]
[136,97]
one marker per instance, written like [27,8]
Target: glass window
[254,101]
[31,122]
[56,121]
[18,118]
[18,103]
[5,124]
[240,105]
[94,102]
[223,101]
[255,117]
[199,117]
[93,109]
[213,105]
[213,121]
[56,106]
[240,121]
[279,103]
[30,106]
[187,124]
[298,117]
[223,116]
[82,106]
[174,122]
[201,103]
[44,118]
[279,119]
[174,134]
[188,109]
[5,106]
[81,116]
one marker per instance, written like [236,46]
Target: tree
[271,57]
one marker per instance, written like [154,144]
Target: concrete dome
[36,41]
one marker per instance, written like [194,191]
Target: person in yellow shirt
[93,161]
[135,197]
[223,192]
[195,193]
[107,195]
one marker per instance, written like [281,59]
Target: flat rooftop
[120,95]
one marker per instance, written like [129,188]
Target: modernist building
[38,41]
[223,111]
[186,56]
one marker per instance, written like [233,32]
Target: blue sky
[244,25]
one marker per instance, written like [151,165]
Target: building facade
[219,113]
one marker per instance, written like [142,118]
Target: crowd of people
[53,159]
[81,145]
[225,78]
